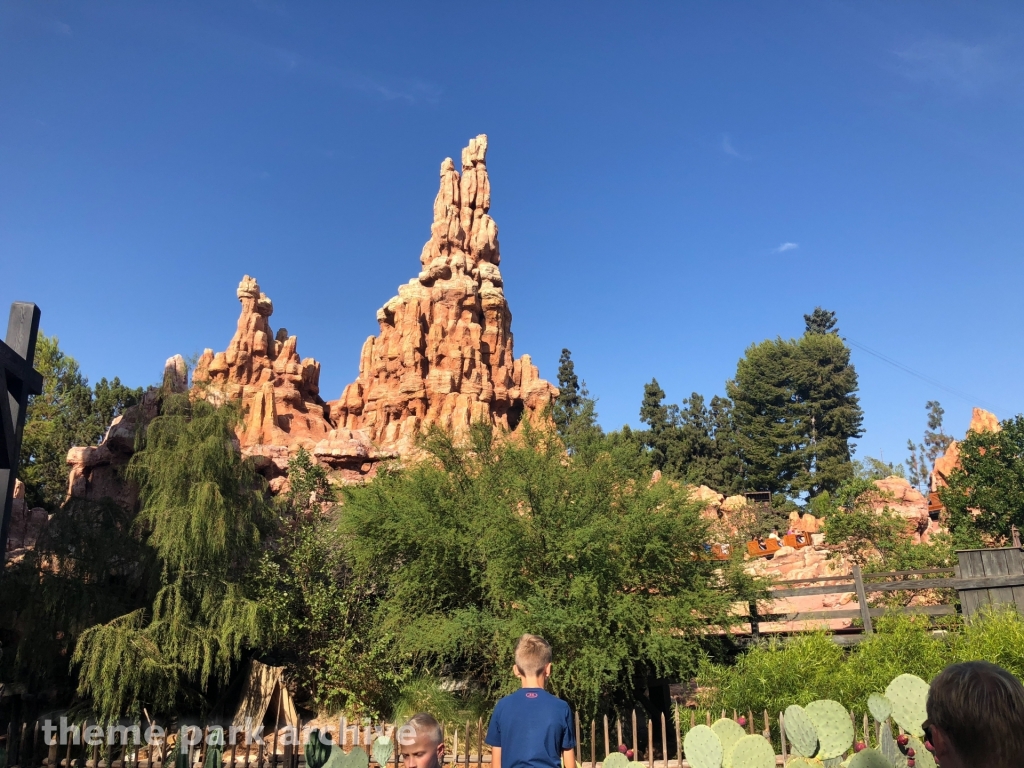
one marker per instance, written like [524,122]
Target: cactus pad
[729,732]
[317,751]
[869,758]
[802,762]
[801,732]
[751,752]
[383,750]
[616,760]
[922,757]
[880,707]
[703,748]
[357,758]
[834,727]
[908,694]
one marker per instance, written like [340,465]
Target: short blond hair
[533,653]
[421,724]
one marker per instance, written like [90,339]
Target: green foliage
[574,410]
[774,675]
[468,551]
[315,609]
[985,497]
[88,567]
[795,412]
[202,511]
[695,444]
[65,414]
[821,321]
[934,444]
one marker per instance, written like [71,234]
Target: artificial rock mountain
[443,357]
[444,352]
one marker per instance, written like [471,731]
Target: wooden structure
[1004,563]
[18,380]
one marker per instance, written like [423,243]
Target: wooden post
[618,731]
[767,732]
[579,746]
[480,743]
[679,737]
[606,752]
[18,380]
[650,743]
[593,744]
[664,741]
[277,725]
[636,748]
[750,722]
[862,598]
[455,746]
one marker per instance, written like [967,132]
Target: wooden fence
[982,577]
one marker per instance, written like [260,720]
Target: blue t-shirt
[533,728]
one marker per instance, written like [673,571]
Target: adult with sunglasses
[975,717]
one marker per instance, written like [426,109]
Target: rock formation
[279,395]
[444,353]
[27,525]
[981,421]
[897,495]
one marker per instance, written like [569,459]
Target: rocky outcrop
[898,496]
[279,395]
[444,352]
[27,525]
[981,421]
[807,563]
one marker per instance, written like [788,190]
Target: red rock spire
[444,352]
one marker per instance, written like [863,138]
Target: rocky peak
[444,352]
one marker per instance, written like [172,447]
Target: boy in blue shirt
[531,728]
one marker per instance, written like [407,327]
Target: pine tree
[574,411]
[202,511]
[821,321]
[659,435]
[923,455]
[796,411]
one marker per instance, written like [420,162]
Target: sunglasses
[927,728]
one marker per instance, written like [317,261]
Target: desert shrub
[462,553]
[776,674]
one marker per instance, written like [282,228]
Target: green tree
[203,512]
[796,411]
[660,435]
[985,496]
[468,551]
[934,444]
[575,411]
[65,414]
[821,321]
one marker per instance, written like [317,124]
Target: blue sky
[671,182]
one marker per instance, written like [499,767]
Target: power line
[972,399]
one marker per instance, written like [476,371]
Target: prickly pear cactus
[336,759]
[215,750]
[317,752]
[889,748]
[616,760]
[751,752]
[908,694]
[802,762]
[833,762]
[637,764]
[729,732]
[703,748]
[357,758]
[880,707]
[383,749]
[922,757]
[869,758]
[834,727]
[801,732]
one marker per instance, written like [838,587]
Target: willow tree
[202,511]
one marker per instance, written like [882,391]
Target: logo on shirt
[531,695]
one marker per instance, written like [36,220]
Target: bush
[775,674]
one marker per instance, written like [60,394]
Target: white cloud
[728,148]
[950,65]
[786,247]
